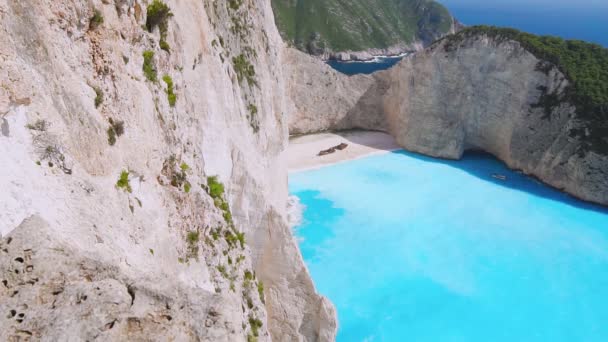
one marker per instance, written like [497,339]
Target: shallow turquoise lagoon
[411,248]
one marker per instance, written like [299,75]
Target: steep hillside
[537,103]
[319,26]
[143,189]
[585,65]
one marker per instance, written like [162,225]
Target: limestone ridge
[143,190]
[359,29]
[479,92]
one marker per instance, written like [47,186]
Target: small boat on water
[500,177]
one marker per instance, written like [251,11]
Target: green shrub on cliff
[261,291]
[255,324]
[171,96]
[149,68]
[157,15]
[235,4]
[244,69]
[116,129]
[98,97]
[96,20]
[584,64]
[216,189]
[123,182]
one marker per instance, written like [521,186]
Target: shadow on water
[484,165]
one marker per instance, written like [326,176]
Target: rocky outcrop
[112,225]
[485,94]
[53,291]
[324,99]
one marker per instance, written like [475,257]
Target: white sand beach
[302,153]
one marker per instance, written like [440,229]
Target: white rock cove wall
[81,259]
[324,99]
[482,95]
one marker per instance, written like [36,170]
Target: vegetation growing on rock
[316,25]
[171,96]
[39,125]
[96,20]
[49,149]
[98,97]
[192,239]
[164,45]
[123,181]
[149,68]
[235,4]
[244,70]
[252,117]
[585,65]
[178,175]
[255,324]
[158,14]
[215,188]
[115,130]
[261,291]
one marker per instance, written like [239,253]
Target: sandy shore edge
[302,151]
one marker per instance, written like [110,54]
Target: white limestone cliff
[485,95]
[84,259]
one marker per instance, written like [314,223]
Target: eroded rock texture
[116,230]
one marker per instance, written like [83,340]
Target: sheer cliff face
[482,95]
[488,95]
[157,253]
[324,99]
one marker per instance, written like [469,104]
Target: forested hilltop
[317,26]
[584,64]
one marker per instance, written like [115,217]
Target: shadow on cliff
[484,165]
[368,112]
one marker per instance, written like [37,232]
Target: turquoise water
[417,249]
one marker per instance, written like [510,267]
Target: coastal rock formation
[487,94]
[323,99]
[143,188]
[484,93]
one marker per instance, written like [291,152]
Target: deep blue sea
[582,19]
[411,248]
